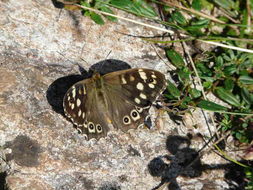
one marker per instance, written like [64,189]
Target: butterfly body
[120,99]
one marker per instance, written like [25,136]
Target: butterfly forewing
[82,107]
[140,86]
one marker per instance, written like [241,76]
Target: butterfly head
[96,76]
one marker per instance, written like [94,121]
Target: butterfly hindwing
[131,93]
[124,114]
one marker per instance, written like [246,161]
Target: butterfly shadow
[56,91]
[185,162]
[179,160]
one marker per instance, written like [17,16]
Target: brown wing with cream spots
[81,106]
[131,93]
[124,114]
[139,86]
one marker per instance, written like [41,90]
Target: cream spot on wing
[99,128]
[140,70]
[91,127]
[154,82]
[80,91]
[132,78]
[78,102]
[79,113]
[85,126]
[72,106]
[143,75]
[140,86]
[74,93]
[143,96]
[126,120]
[151,85]
[123,80]
[153,76]
[84,90]
[68,97]
[138,109]
[135,115]
[83,115]
[137,100]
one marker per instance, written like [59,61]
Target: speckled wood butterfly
[120,98]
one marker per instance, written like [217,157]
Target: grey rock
[41,51]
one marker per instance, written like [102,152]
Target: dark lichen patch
[110,186]
[25,151]
[86,183]
[133,152]
[123,178]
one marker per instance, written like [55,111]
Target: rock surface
[41,48]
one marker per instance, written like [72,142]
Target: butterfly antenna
[80,67]
[108,54]
[83,71]
[66,58]
[103,63]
